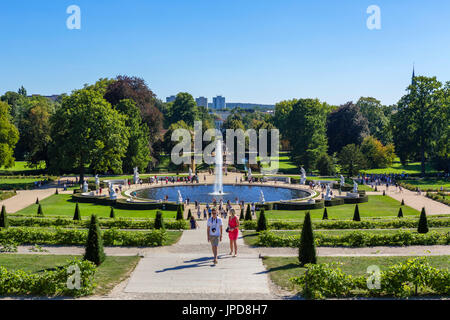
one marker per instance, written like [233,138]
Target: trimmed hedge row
[119,223]
[357,239]
[350,224]
[111,237]
[440,197]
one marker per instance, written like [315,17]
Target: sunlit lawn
[398,168]
[429,183]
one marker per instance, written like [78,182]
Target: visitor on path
[233,231]
[194,224]
[205,214]
[199,213]
[253,209]
[214,232]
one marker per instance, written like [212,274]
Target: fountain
[180,198]
[218,185]
[262,197]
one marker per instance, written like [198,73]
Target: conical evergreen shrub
[180,212]
[325,214]
[403,202]
[56,192]
[262,222]
[384,193]
[376,189]
[189,214]
[400,213]
[4,218]
[248,213]
[37,200]
[242,216]
[112,214]
[94,244]
[356,216]
[39,211]
[307,247]
[77,215]
[159,221]
[423,223]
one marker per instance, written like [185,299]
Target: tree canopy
[9,135]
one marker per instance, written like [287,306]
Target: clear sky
[255,51]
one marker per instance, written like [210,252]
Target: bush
[241,217]
[94,245]
[403,202]
[112,214]
[4,218]
[400,213]
[189,214]
[325,165]
[77,215]
[248,214]
[180,212]
[423,223]
[39,211]
[307,249]
[262,222]
[325,214]
[37,200]
[356,216]
[159,221]
[49,283]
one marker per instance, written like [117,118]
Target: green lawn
[62,205]
[378,206]
[110,273]
[6,195]
[281,269]
[398,168]
[22,166]
[429,183]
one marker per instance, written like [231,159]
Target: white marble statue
[249,172]
[136,176]
[85,186]
[112,193]
[355,187]
[97,181]
[328,194]
[342,180]
[303,176]
[190,173]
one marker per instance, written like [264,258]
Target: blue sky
[255,51]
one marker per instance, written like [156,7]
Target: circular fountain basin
[202,193]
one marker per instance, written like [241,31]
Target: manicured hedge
[48,283]
[334,202]
[356,200]
[58,236]
[357,239]
[350,224]
[123,204]
[319,204]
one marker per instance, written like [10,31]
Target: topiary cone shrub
[94,244]
[159,221]
[307,247]
[400,213]
[112,214]
[180,212]
[77,215]
[376,189]
[325,214]
[4,218]
[56,192]
[262,221]
[241,217]
[384,193]
[248,213]
[423,223]
[356,216]
[39,211]
[403,202]
[37,200]
[189,214]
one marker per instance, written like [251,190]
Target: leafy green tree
[94,244]
[356,216]
[307,248]
[377,155]
[159,221]
[378,118]
[248,214]
[281,116]
[325,165]
[306,131]
[180,212]
[77,215]
[183,108]
[400,213]
[421,120]
[15,101]
[346,125]
[423,222]
[4,218]
[262,221]
[351,159]
[87,132]
[9,136]
[325,214]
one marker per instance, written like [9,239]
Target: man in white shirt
[214,232]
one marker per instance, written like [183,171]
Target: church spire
[413,75]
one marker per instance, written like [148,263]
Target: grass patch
[111,272]
[281,269]
[429,183]
[62,205]
[398,168]
[6,195]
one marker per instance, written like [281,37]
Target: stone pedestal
[352,195]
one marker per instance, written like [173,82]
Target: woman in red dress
[233,231]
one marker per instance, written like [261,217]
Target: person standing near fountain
[214,232]
[233,231]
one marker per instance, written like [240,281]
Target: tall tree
[87,132]
[419,119]
[183,108]
[346,125]
[306,131]
[378,121]
[9,135]
[351,159]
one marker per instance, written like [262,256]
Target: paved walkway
[24,198]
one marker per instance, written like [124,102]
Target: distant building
[202,101]
[232,105]
[219,102]
[171,99]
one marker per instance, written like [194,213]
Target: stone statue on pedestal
[302,176]
[112,193]
[355,187]
[328,194]
[342,180]
[97,181]
[136,176]
[85,186]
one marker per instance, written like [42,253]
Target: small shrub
[242,217]
[262,222]
[39,211]
[77,215]
[94,244]
[325,214]
[189,215]
[159,221]
[423,223]
[400,213]
[248,214]
[307,248]
[384,193]
[180,212]
[112,214]
[403,202]
[56,192]
[37,200]
[356,216]
[4,218]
